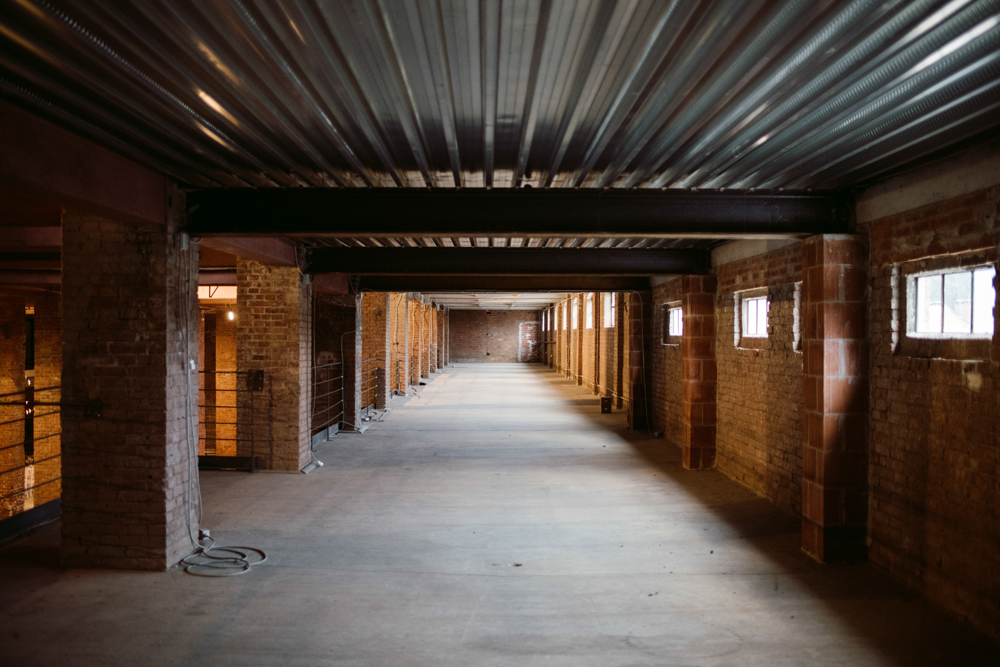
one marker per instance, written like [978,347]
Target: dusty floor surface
[498,519]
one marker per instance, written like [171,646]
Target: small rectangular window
[565,316]
[675,321]
[754,317]
[609,310]
[576,313]
[955,304]
[588,321]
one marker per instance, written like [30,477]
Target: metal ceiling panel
[747,94]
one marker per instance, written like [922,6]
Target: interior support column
[274,337]
[835,398]
[130,335]
[640,358]
[698,364]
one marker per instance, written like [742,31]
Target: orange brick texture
[759,392]
[698,372]
[934,458]
[274,335]
[47,468]
[12,458]
[835,398]
[130,315]
[492,336]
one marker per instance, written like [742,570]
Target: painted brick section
[488,336]
[667,384]
[274,311]
[759,394]
[698,372]
[129,316]
[934,455]
[835,398]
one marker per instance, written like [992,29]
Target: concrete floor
[498,519]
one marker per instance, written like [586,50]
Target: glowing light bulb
[232,316]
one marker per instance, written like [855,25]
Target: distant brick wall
[934,473]
[666,388]
[759,432]
[481,336]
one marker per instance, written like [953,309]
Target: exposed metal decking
[548,93]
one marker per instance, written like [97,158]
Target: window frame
[588,311]
[666,338]
[575,314]
[747,341]
[608,309]
[931,345]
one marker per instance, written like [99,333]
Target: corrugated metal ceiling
[548,93]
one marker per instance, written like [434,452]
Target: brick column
[375,338]
[835,398]
[698,372]
[413,336]
[12,459]
[432,347]
[274,335]
[130,333]
[399,348]
[640,358]
[620,364]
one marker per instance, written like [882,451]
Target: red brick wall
[667,387]
[933,429]
[759,431]
[415,336]
[487,336]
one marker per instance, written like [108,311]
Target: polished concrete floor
[496,519]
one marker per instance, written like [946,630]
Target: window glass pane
[589,319]
[676,321]
[958,302]
[984,298]
[929,304]
[762,307]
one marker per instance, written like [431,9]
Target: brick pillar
[425,340]
[698,372]
[274,335]
[375,338]
[432,345]
[12,460]
[835,398]
[413,336]
[640,358]
[130,333]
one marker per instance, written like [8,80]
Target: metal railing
[328,397]
[369,385]
[226,409]
[30,449]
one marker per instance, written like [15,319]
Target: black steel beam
[506,261]
[314,212]
[499,284]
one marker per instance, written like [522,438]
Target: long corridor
[497,518]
